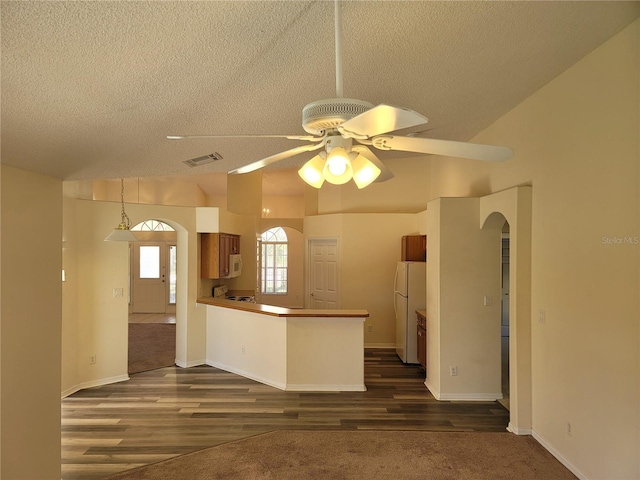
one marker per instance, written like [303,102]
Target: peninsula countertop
[281,311]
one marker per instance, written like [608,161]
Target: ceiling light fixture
[122,232]
[337,169]
[338,165]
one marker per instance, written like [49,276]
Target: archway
[152,297]
[161,334]
[514,207]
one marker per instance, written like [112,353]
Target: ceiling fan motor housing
[323,115]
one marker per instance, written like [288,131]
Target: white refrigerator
[410,294]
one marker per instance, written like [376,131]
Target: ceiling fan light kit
[338,167]
[335,123]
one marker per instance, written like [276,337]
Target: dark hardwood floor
[172,411]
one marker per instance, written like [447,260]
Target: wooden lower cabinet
[215,249]
[421,321]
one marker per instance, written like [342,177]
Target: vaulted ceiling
[91,89]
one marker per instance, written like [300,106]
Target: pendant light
[122,232]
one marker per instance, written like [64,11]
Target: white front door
[149,277]
[323,273]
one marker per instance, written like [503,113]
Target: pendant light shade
[122,233]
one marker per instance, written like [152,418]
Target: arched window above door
[152,226]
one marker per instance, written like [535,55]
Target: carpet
[151,346]
[363,454]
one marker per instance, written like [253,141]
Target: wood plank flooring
[172,411]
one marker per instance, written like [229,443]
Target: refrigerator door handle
[395,304]
[395,281]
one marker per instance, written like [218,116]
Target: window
[152,226]
[149,261]
[173,273]
[274,261]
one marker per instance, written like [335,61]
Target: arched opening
[153,296]
[513,208]
[497,220]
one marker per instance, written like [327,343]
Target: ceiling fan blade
[276,158]
[385,173]
[447,148]
[308,138]
[379,120]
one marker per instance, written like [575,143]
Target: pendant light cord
[125,218]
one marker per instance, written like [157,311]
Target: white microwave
[235,265]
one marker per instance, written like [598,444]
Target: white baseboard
[325,388]
[434,391]
[242,373]
[542,441]
[192,363]
[461,397]
[94,383]
[470,397]
[518,431]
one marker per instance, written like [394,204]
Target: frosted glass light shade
[311,172]
[337,169]
[364,171]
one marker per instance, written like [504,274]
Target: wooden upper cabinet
[215,249]
[414,248]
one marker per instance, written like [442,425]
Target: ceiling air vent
[196,162]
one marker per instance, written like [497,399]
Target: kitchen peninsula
[290,349]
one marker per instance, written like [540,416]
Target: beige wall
[462,332]
[154,191]
[576,143]
[30,325]
[93,317]
[407,191]
[281,206]
[369,249]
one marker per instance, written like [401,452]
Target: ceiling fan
[344,129]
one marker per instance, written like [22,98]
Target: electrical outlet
[542,316]
[92,360]
[243,349]
[569,429]
[453,370]
[369,328]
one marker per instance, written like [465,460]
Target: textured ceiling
[91,89]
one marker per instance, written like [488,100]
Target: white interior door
[149,277]
[323,273]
